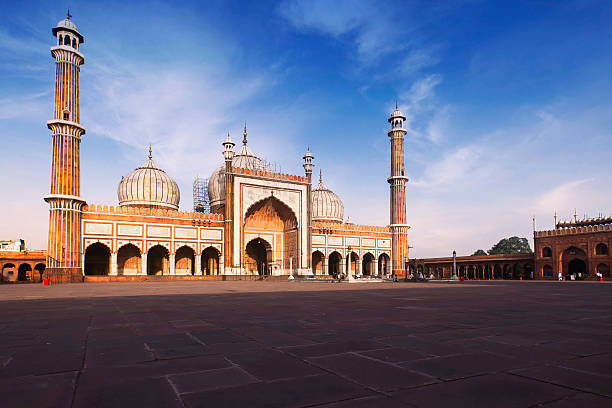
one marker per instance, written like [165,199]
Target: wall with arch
[583,252]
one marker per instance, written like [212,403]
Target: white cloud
[25,106]
[416,60]
[420,94]
[363,19]
[470,195]
[375,29]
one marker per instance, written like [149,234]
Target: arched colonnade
[337,263]
[21,271]
[99,260]
[477,271]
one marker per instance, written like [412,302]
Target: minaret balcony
[55,123]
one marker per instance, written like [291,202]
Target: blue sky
[508,104]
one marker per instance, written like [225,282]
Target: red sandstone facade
[577,250]
[22,266]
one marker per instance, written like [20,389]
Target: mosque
[261,223]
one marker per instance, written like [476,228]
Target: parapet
[269,174]
[155,212]
[573,230]
[348,227]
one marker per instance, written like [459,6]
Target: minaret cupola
[67,33]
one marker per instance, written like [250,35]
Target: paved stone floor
[292,344]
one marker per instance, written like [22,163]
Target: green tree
[512,245]
[479,252]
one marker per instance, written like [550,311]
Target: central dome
[326,205]
[149,186]
[245,159]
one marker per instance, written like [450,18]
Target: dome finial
[320,176]
[396,104]
[244,139]
[68,16]
[150,152]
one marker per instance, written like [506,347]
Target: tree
[512,245]
[479,252]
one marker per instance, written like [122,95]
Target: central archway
[577,268]
[574,263]
[274,220]
[258,254]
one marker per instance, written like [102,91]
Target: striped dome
[149,186]
[245,159]
[326,205]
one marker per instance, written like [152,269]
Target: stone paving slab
[302,344]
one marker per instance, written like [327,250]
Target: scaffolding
[201,201]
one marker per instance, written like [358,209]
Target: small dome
[396,114]
[68,25]
[149,186]
[326,205]
[245,159]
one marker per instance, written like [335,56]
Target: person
[560,276]
[431,276]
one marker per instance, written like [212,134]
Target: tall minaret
[65,248]
[399,228]
[308,166]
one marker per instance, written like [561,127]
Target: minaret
[397,181]
[228,155]
[308,166]
[64,253]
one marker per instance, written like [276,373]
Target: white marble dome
[245,159]
[326,205]
[67,24]
[149,186]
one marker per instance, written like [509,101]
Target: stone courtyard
[302,344]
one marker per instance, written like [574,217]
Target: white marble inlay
[187,233]
[134,230]
[214,234]
[158,231]
[100,229]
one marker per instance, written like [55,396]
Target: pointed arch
[129,260]
[158,260]
[272,216]
[384,261]
[367,267]
[210,261]
[24,272]
[184,261]
[318,260]
[334,263]
[97,259]
[258,257]
[8,272]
